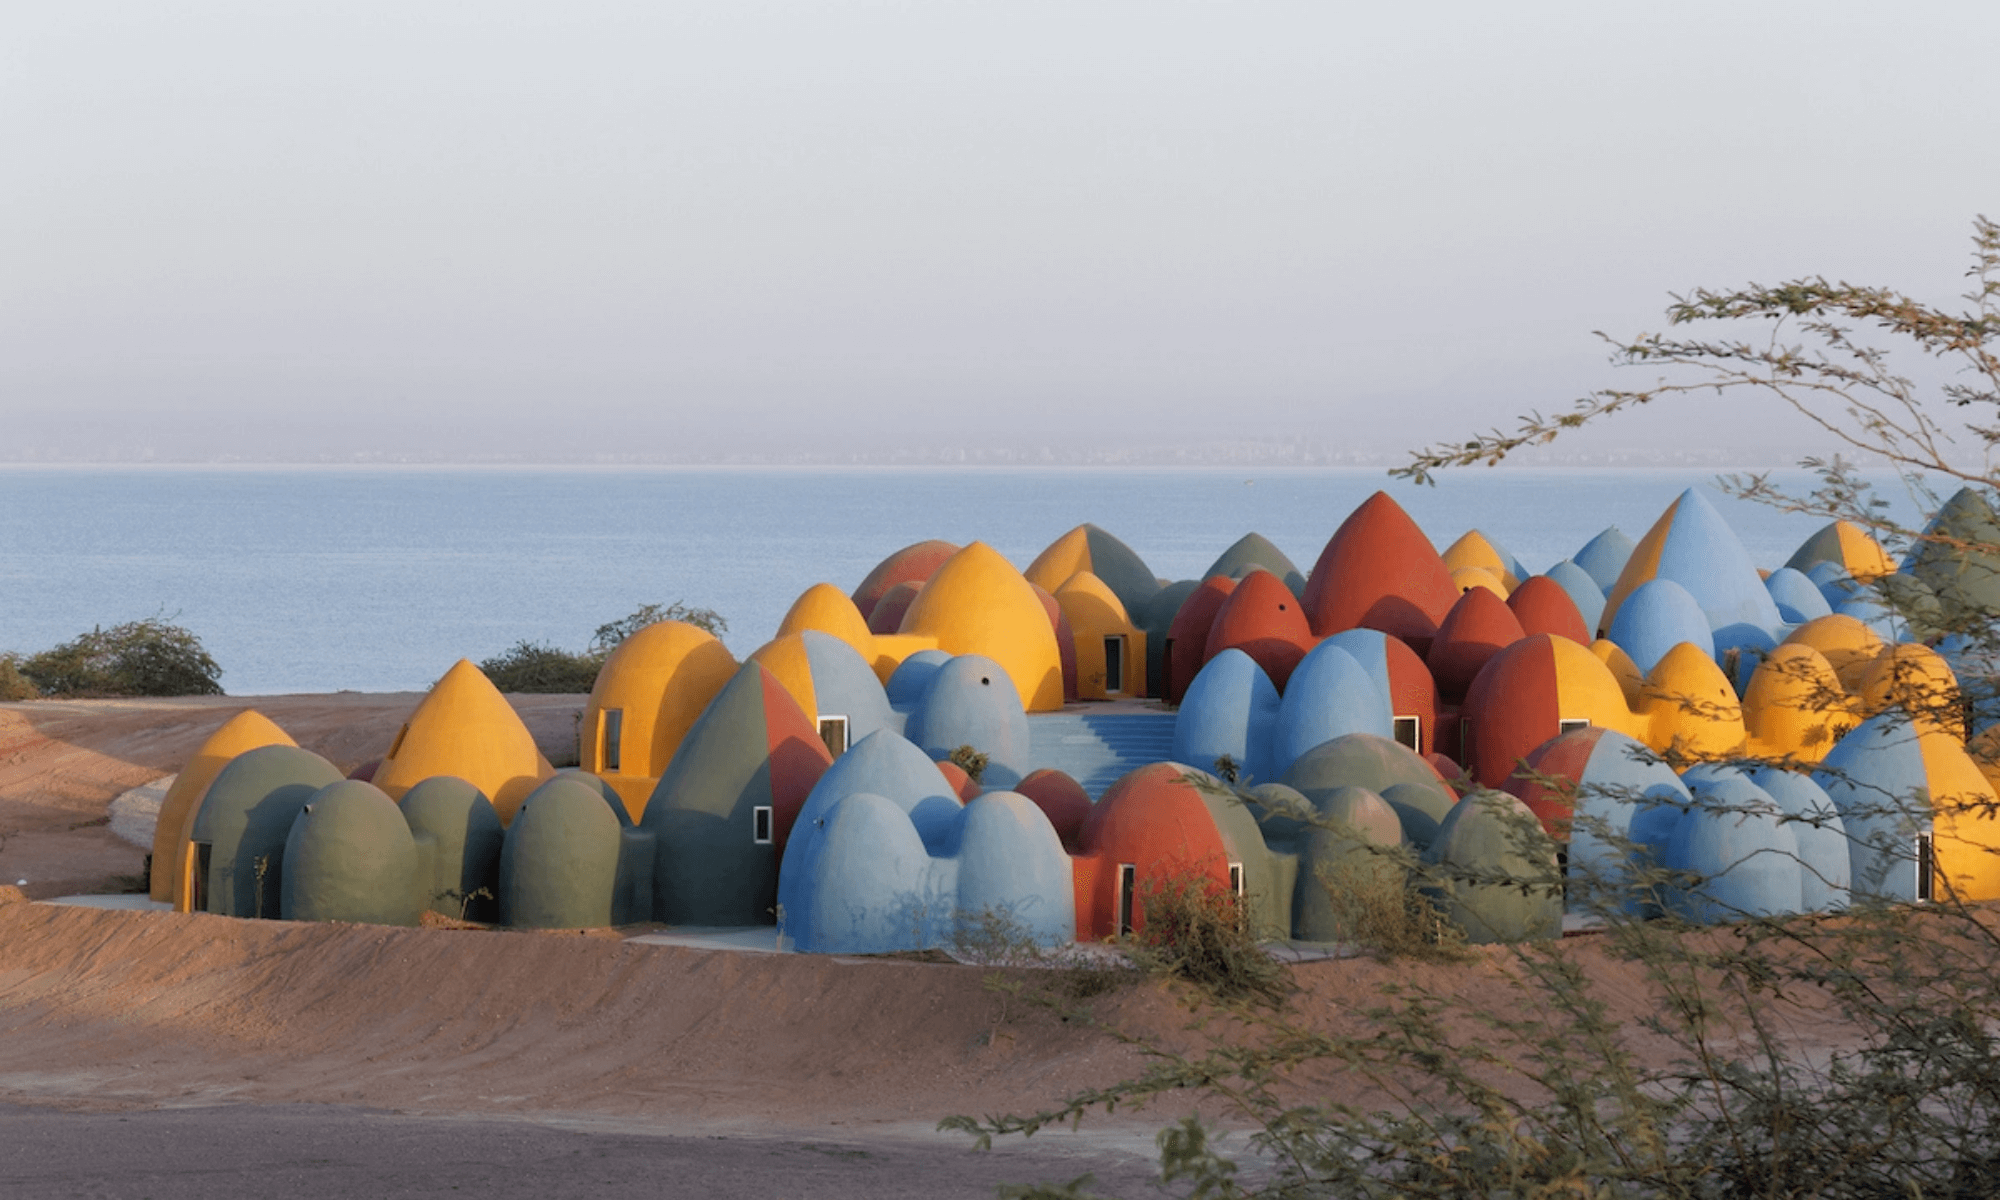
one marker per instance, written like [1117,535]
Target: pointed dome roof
[912,564]
[1263,619]
[1474,549]
[465,727]
[1845,543]
[1379,570]
[1604,557]
[246,730]
[1089,548]
[1543,605]
[1693,546]
[1255,550]
[1691,706]
[977,603]
[825,608]
[1478,627]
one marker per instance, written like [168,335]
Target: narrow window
[1410,732]
[1128,878]
[1114,664]
[614,737]
[1465,740]
[1926,869]
[760,824]
[833,731]
[1167,670]
[1569,723]
[1236,879]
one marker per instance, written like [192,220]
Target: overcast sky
[557,230]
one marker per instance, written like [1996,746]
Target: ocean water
[305,579]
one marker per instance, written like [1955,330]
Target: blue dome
[1231,708]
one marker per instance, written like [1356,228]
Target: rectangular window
[760,824]
[1236,879]
[1410,732]
[614,737]
[1465,740]
[1569,723]
[1926,869]
[1128,882]
[833,731]
[1114,664]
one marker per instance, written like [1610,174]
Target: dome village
[935,746]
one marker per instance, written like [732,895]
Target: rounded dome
[977,603]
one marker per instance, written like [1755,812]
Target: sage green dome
[351,857]
[462,878]
[1341,854]
[1486,836]
[244,820]
[559,863]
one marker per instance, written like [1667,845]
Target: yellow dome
[1848,644]
[1795,707]
[1473,550]
[1916,679]
[246,730]
[1690,706]
[1467,578]
[977,603]
[465,727]
[1587,689]
[1966,817]
[826,608]
[1065,556]
[1095,614]
[1631,680]
[658,681]
[1861,554]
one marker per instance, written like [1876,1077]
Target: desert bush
[13,684]
[542,668]
[1196,930]
[139,658]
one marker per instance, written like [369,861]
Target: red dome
[1478,627]
[1542,606]
[1379,571]
[912,564]
[1187,637]
[1263,619]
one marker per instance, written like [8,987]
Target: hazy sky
[556,230]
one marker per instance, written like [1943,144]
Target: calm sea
[377,579]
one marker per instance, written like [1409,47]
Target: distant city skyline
[872,232]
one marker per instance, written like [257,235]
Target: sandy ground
[207,1038]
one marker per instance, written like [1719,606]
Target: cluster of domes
[1326,726]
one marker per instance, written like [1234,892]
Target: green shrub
[541,668]
[969,760]
[138,658]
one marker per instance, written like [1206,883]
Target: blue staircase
[1095,749]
